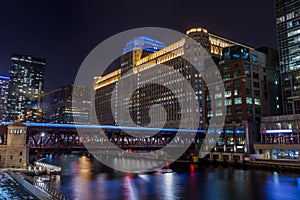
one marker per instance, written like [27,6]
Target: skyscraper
[3,96]
[278,131]
[288,36]
[25,85]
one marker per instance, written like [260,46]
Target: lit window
[219,112]
[248,100]
[254,58]
[280,19]
[218,95]
[257,102]
[236,92]
[228,102]
[219,103]
[227,93]
[238,100]
[226,77]
[290,16]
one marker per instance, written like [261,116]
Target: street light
[42,135]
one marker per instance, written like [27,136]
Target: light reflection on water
[85,178]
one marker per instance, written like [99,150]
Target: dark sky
[64,32]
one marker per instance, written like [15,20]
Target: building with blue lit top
[136,49]
[145,43]
[251,80]
[3,96]
[133,51]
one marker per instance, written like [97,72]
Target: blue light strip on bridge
[4,77]
[48,125]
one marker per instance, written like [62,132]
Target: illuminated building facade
[280,138]
[288,36]
[26,83]
[250,76]
[149,94]
[59,107]
[251,81]
[142,60]
[3,96]
[104,86]
[212,43]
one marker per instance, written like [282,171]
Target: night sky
[64,32]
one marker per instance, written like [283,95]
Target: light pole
[42,135]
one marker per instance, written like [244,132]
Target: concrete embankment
[40,194]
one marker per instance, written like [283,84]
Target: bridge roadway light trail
[48,125]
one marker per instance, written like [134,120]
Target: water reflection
[85,178]
[129,191]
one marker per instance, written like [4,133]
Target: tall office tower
[3,96]
[251,80]
[25,85]
[59,107]
[284,129]
[288,36]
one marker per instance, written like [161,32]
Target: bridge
[51,138]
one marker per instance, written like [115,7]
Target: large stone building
[251,79]
[142,52]
[104,85]
[13,149]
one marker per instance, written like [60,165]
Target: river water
[86,178]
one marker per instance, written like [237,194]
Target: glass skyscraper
[25,85]
[288,35]
[3,96]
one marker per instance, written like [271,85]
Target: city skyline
[150,100]
[64,34]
